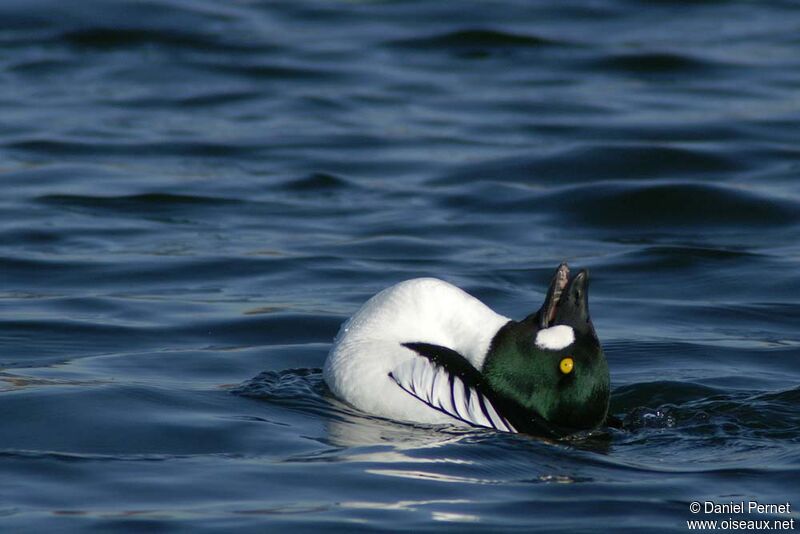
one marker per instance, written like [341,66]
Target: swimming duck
[425,351]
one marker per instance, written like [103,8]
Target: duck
[425,351]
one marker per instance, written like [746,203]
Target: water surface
[196,194]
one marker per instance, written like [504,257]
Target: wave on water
[684,410]
[197,194]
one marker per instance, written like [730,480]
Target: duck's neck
[511,372]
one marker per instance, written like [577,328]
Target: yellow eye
[566,365]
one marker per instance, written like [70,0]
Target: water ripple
[198,193]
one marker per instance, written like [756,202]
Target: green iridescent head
[550,365]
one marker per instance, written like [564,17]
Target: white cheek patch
[555,337]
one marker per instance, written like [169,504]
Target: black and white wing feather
[446,381]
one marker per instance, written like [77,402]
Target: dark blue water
[195,194]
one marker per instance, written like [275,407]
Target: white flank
[369,348]
[555,337]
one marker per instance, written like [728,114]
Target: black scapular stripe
[432,400]
[522,419]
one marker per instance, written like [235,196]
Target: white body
[369,345]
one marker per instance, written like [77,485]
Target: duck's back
[369,345]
